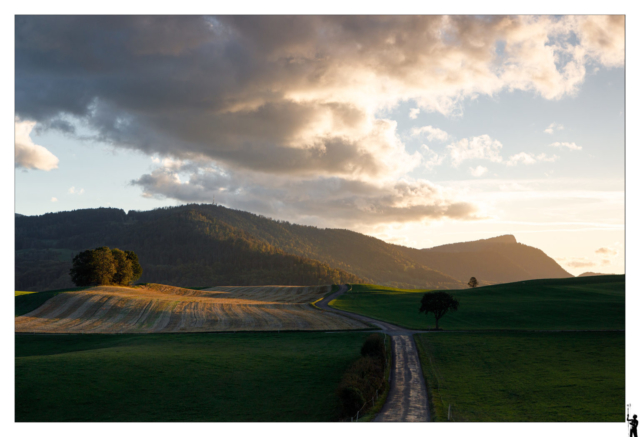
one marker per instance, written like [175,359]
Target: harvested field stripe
[112,315]
[94,312]
[161,308]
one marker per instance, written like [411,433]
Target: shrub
[363,378]
[351,400]
[374,347]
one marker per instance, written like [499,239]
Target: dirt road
[407,399]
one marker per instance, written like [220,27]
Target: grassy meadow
[525,376]
[258,377]
[588,303]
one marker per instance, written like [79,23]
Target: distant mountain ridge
[494,260]
[474,246]
[212,245]
[593,274]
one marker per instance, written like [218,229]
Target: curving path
[407,399]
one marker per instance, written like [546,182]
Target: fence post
[449,418]
[357,415]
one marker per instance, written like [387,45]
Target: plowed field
[160,308]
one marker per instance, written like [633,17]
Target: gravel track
[407,399]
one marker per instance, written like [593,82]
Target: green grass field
[287,377]
[27,301]
[590,303]
[526,376]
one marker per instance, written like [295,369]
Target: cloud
[544,158]
[484,147]
[413,113]
[430,158]
[570,146]
[54,199]
[478,171]
[578,262]
[552,127]
[605,262]
[601,38]
[433,133]
[294,97]
[481,147]
[332,199]
[529,158]
[289,93]
[29,155]
[73,190]
[523,157]
[606,251]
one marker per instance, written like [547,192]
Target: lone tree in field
[438,303]
[104,266]
[473,282]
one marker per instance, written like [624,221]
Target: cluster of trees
[104,266]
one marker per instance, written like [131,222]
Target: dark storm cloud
[228,86]
[274,97]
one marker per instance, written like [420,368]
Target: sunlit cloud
[432,133]
[542,157]
[29,155]
[481,147]
[332,199]
[553,127]
[576,262]
[570,146]
[606,251]
[478,171]
[523,158]
[281,114]
[431,158]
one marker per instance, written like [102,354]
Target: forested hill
[195,245]
[176,246]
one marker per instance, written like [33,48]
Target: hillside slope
[204,245]
[212,245]
[175,246]
[494,260]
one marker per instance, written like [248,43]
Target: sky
[418,130]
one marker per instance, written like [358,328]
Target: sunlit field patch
[158,308]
